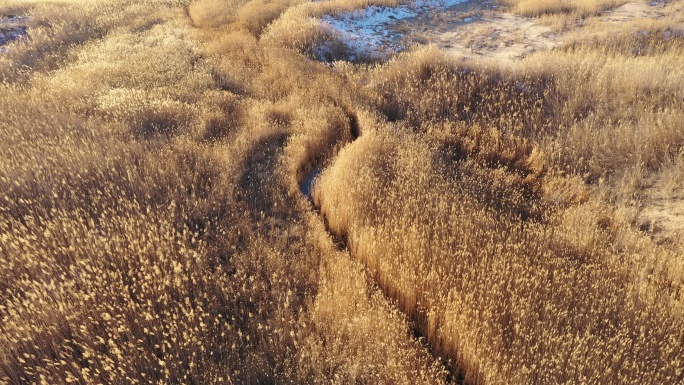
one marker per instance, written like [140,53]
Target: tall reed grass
[152,229]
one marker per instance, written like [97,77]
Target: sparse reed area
[472,223]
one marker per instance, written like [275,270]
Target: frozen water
[306,186]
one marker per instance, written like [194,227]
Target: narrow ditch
[455,375]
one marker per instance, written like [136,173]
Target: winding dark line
[455,375]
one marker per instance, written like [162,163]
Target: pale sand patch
[662,211]
[634,10]
[501,36]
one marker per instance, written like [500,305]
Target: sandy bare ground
[491,34]
[634,10]
[498,36]
[662,213]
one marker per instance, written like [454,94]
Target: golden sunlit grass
[152,227]
[152,230]
[465,214]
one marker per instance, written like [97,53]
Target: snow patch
[12,28]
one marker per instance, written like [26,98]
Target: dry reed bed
[510,301]
[152,231]
[151,227]
[498,211]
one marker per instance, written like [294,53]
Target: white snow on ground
[365,31]
[11,28]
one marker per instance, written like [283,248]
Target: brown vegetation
[152,228]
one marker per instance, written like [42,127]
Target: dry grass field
[473,223]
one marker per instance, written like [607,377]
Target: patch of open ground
[634,10]
[496,35]
[473,29]
[502,35]
[662,212]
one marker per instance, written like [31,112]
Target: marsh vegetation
[468,221]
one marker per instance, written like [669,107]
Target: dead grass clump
[288,73]
[235,61]
[213,13]
[44,49]
[318,134]
[146,114]
[299,28]
[345,290]
[119,240]
[91,223]
[237,44]
[650,39]
[611,112]
[57,27]
[14,9]
[493,157]
[257,14]
[223,117]
[250,15]
[424,87]
[295,29]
